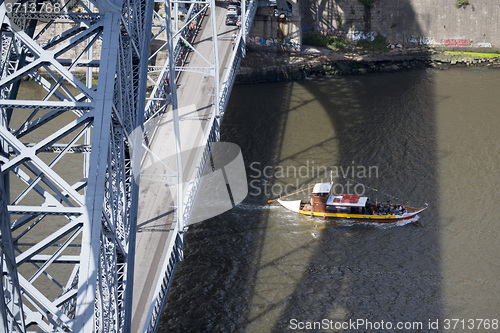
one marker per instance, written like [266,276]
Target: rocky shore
[261,65]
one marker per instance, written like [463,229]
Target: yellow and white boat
[349,206]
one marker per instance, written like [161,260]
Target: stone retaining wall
[409,22]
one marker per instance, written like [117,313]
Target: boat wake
[408,221]
[247,206]
[382,225]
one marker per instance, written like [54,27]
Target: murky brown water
[69,167]
[427,136]
[432,136]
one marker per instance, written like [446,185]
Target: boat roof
[322,187]
[347,200]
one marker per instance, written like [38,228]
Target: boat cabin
[347,203]
[347,200]
[323,202]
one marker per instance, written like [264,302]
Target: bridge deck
[156,230]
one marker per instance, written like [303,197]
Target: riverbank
[261,65]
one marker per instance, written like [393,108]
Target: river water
[421,136]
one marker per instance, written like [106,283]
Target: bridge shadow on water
[352,272]
[378,274]
[355,272]
[211,290]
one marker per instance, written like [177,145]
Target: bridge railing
[211,135]
[236,56]
[212,132]
[174,256]
[159,98]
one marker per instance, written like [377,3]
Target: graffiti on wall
[288,44]
[332,31]
[356,35]
[457,42]
[419,40]
[484,44]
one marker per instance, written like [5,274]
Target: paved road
[157,197]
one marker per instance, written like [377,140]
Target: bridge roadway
[156,230]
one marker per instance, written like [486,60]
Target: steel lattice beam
[72,239]
[70,254]
[177,37]
[163,77]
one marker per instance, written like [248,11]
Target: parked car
[233,9]
[231,19]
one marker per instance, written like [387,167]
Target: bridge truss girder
[176,36]
[160,99]
[67,242]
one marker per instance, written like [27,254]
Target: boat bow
[411,212]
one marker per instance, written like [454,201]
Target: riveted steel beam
[68,263]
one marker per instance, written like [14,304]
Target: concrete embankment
[271,66]
[422,33]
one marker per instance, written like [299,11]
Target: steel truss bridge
[82,84]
